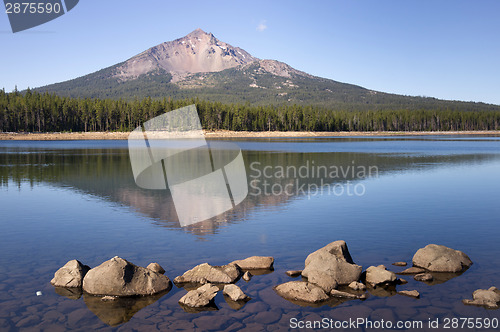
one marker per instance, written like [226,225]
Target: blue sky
[442,49]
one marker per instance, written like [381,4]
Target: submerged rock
[70,275]
[301,291]
[376,275]
[333,259]
[346,295]
[114,311]
[156,268]
[118,277]
[438,258]
[423,277]
[412,270]
[200,297]
[73,293]
[234,293]
[255,263]
[399,264]
[489,298]
[410,293]
[293,273]
[226,274]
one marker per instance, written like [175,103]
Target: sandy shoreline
[231,134]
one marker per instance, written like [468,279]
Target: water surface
[77,199]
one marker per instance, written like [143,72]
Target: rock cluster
[329,275]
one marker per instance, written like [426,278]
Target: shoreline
[57,136]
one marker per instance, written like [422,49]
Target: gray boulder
[333,259]
[376,275]
[234,293]
[437,258]
[200,297]
[118,277]
[255,263]
[156,268]
[489,298]
[226,274]
[323,280]
[70,275]
[301,291]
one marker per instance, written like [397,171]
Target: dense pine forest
[35,112]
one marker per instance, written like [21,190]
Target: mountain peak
[197,32]
[196,52]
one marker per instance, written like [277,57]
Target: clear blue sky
[444,49]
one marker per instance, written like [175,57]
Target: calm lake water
[78,200]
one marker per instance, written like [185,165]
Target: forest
[31,111]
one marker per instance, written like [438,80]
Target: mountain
[201,66]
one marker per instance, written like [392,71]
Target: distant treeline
[34,112]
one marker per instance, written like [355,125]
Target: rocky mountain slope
[201,66]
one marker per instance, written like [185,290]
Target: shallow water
[66,200]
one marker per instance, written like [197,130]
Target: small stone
[423,277]
[234,292]
[412,293]
[402,281]
[412,270]
[255,263]
[357,286]
[293,273]
[226,274]
[247,276]
[156,268]
[376,275]
[39,293]
[399,264]
[345,295]
[108,298]
[199,297]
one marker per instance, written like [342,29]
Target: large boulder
[119,277]
[376,275]
[200,297]
[489,298]
[301,291]
[323,280]
[255,263]
[437,258]
[70,275]
[333,259]
[226,274]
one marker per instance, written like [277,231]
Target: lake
[63,200]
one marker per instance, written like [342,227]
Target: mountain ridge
[199,65]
